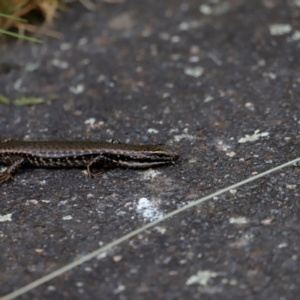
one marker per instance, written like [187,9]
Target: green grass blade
[28,101]
[20,36]
[13,18]
[4,100]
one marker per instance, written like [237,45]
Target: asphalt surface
[216,80]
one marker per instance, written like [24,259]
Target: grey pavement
[216,80]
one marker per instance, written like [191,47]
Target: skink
[89,154]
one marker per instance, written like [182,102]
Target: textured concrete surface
[216,80]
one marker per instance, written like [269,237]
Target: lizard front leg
[100,160]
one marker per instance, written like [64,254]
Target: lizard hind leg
[8,173]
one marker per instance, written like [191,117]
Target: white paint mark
[189,25]
[184,26]
[205,9]
[18,84]
[194,72]
[280,29]
[291,186]
[90,121]
[202,277]
[254,137]
[266,221]
[230,154]
[282,245]
[78,89]
[238,220]
[249,105]
[60,64]
[148,210]
[33,201]
[193,161]
[152,130]
[119,289]
[161,230]
[30,67]
[172,130]
[5,218]
[233,192]
[67,217]
[208,98]
[179,137]
[218,9]
[221,145]
[270,75]
[150,174]
[117,258]
[102,255]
